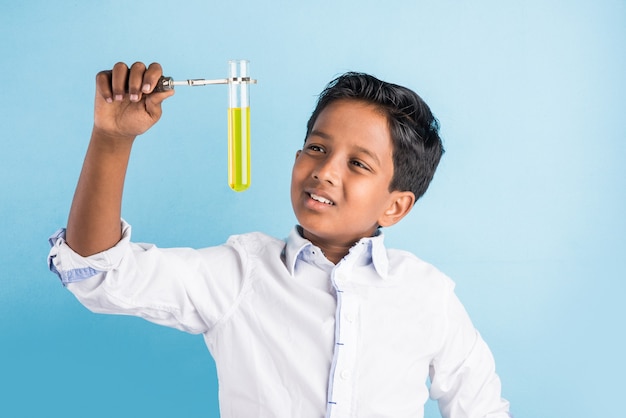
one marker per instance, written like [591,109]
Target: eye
[359,164]
[315,148]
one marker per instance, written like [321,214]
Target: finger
[103,85]
[135,81]
[153,101]
[151,77]
[119,80]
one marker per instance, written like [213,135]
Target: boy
[325,323]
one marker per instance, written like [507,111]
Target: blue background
[526,212]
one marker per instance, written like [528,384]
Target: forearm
[463,374]
[125,107]
[94,221]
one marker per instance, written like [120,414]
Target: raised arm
[124,109]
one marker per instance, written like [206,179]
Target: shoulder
[406,266]
[256,243]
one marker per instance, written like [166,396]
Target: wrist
[111,141]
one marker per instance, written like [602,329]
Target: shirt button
[350,317]
[345,375]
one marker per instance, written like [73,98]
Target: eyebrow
[362,150]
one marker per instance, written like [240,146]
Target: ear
[401,203]
[298,153]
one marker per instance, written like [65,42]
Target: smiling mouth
[321,199]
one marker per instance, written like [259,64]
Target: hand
[124,105]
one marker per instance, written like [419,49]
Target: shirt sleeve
[182,288]
[463,375]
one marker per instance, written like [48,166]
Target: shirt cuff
[72,267]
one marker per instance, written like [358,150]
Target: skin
[340,180]
[120,115]
[346,161]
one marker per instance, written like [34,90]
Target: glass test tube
[238,125]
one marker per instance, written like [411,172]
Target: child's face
[340,179]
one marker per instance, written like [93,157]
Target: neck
[333,251]
[334,255]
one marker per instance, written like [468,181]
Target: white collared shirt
[295,336]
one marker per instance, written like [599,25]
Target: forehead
[356,123]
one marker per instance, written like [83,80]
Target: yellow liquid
[239,148]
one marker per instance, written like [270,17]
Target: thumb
[154,100]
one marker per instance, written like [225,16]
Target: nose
[327,170]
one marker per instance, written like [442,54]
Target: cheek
[296,177]
[299,170]
[293,183]
[295,173]
[366,188]
[371,194]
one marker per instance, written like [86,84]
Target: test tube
[238,125]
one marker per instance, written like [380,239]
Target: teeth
[321,199]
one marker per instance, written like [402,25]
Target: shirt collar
[366,250]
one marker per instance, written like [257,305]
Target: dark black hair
[413,128]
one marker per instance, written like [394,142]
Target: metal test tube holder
[168,83]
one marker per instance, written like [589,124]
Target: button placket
[342,385]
